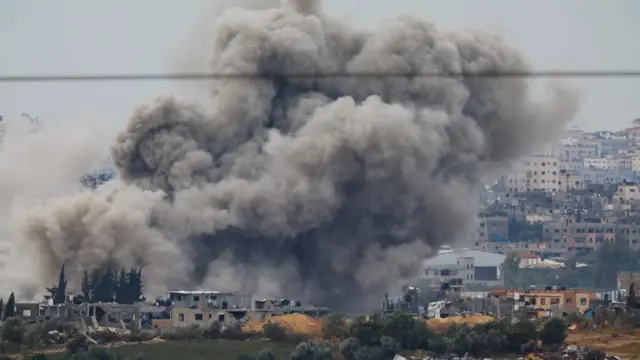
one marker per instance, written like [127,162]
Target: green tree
[335,327]
[13,331]
[135,286]
[60,296]
[522,332]
[10,308]
[349,348]
[367,331]
[310,351]
[265,354]
[554,332]
[105,289]
[389,347]
[95,283]
[86,286]
[122,292]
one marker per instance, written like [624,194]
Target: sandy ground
[622,343]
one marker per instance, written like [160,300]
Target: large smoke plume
[329,189]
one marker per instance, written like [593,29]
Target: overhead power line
[222,76]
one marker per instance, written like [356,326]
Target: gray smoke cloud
[327,189]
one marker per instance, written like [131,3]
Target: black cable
[221,76]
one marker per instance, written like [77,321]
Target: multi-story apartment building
[600,163]
[635,162]
[578,149]
[491,225]
[579,236]
[627,192]
[467,267]
[570,180]
[536,173]
[629,233]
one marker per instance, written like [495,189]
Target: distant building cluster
[552,209]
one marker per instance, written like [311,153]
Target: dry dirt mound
[622,343]
[444,323]
[294,323]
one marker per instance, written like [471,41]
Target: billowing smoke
[324,188]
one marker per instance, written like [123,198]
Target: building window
[181,317]
[199,317]
[583,301]
[209,315]
[568,301]
[196,298]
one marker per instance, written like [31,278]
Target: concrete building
[627,192]
[601,163]
[491,225]
[209,300]
[471,267]
[570,180]
[579,237]
[566,300]
[535,173]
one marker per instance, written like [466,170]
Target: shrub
[96,353]
[439,345]
[368,331]
[335,328]
[310,351]
[554,332]
[234,332]
[370,353]
[349,347]
[389,347]
[265,354]
[521,333]
[13,331]
[214,331]
[77,345]
[275,332]
[185,333]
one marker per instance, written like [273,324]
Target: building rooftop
[198,292]
[481,258]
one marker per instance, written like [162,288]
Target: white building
[635,163]
[600,163]
[627,192]
[537,173]
[470,266]
[569,180]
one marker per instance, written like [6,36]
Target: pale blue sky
[128,36]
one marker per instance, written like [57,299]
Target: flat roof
[199,292]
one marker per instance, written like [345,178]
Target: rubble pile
[586,353]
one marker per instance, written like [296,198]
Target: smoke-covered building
[475,269]
[536,173]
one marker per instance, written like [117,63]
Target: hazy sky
[129,36]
